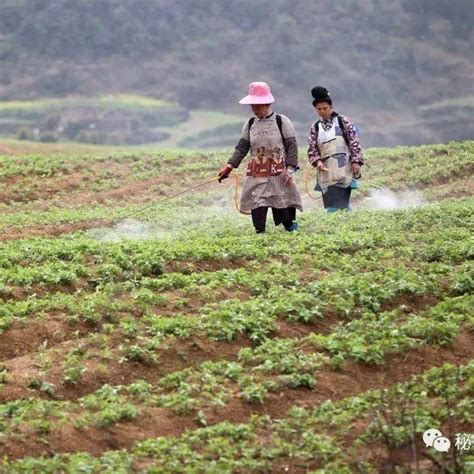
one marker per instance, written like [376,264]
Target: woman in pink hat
[270,138]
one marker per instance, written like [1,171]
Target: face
[324,110]
[261,110]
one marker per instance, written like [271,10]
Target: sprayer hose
[306,181]
[215,178]
[236,194]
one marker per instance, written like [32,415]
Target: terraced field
[180,341]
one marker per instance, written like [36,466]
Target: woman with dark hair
[269,183]
[335,151]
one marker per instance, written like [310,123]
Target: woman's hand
[321,166]
[225,172]
[288,175]
[356,170]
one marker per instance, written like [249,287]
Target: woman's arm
[313,150]
[242,147]
[289,143]
[355,150]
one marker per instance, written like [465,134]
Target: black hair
[320,94]
[316,102]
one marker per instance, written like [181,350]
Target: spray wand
[138,211]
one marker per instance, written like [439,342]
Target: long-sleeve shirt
[265,137]
[289,141]
[350,132]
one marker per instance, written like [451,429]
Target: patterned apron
[335,155]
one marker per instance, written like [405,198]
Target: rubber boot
[293,227]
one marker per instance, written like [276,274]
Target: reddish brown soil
[464,172]
[96,440]
[378,454]
[191,266]
[352,379]
[63,186]
[25,337]
[41,290]
[7,150]
[126,191]
[138,191]
[287,329]
[182,354]
[384,461]
[49,187]
[458,188]
[19,344]
[411,303]
[52,230]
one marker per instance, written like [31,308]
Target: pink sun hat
[259,93]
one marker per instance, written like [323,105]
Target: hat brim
[260,100]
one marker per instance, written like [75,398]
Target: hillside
[116,120]
[387,64]
[178,341]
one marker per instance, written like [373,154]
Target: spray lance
[169,196]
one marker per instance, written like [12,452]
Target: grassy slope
[199,122]
[423,53]
[203,325]
[127,102]
[194,129]
[211,129]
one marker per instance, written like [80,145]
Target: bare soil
[352,379]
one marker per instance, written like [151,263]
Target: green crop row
[327,438]
[434,233]
[407,167]
[274,365]
[369,337]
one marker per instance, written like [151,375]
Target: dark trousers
[284,216]
[337,198]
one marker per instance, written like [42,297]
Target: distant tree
[24,134]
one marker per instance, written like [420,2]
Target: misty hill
[403,70]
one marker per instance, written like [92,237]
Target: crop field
[109,120]
[179,341]
[114,120]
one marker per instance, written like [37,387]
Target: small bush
[48,138]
